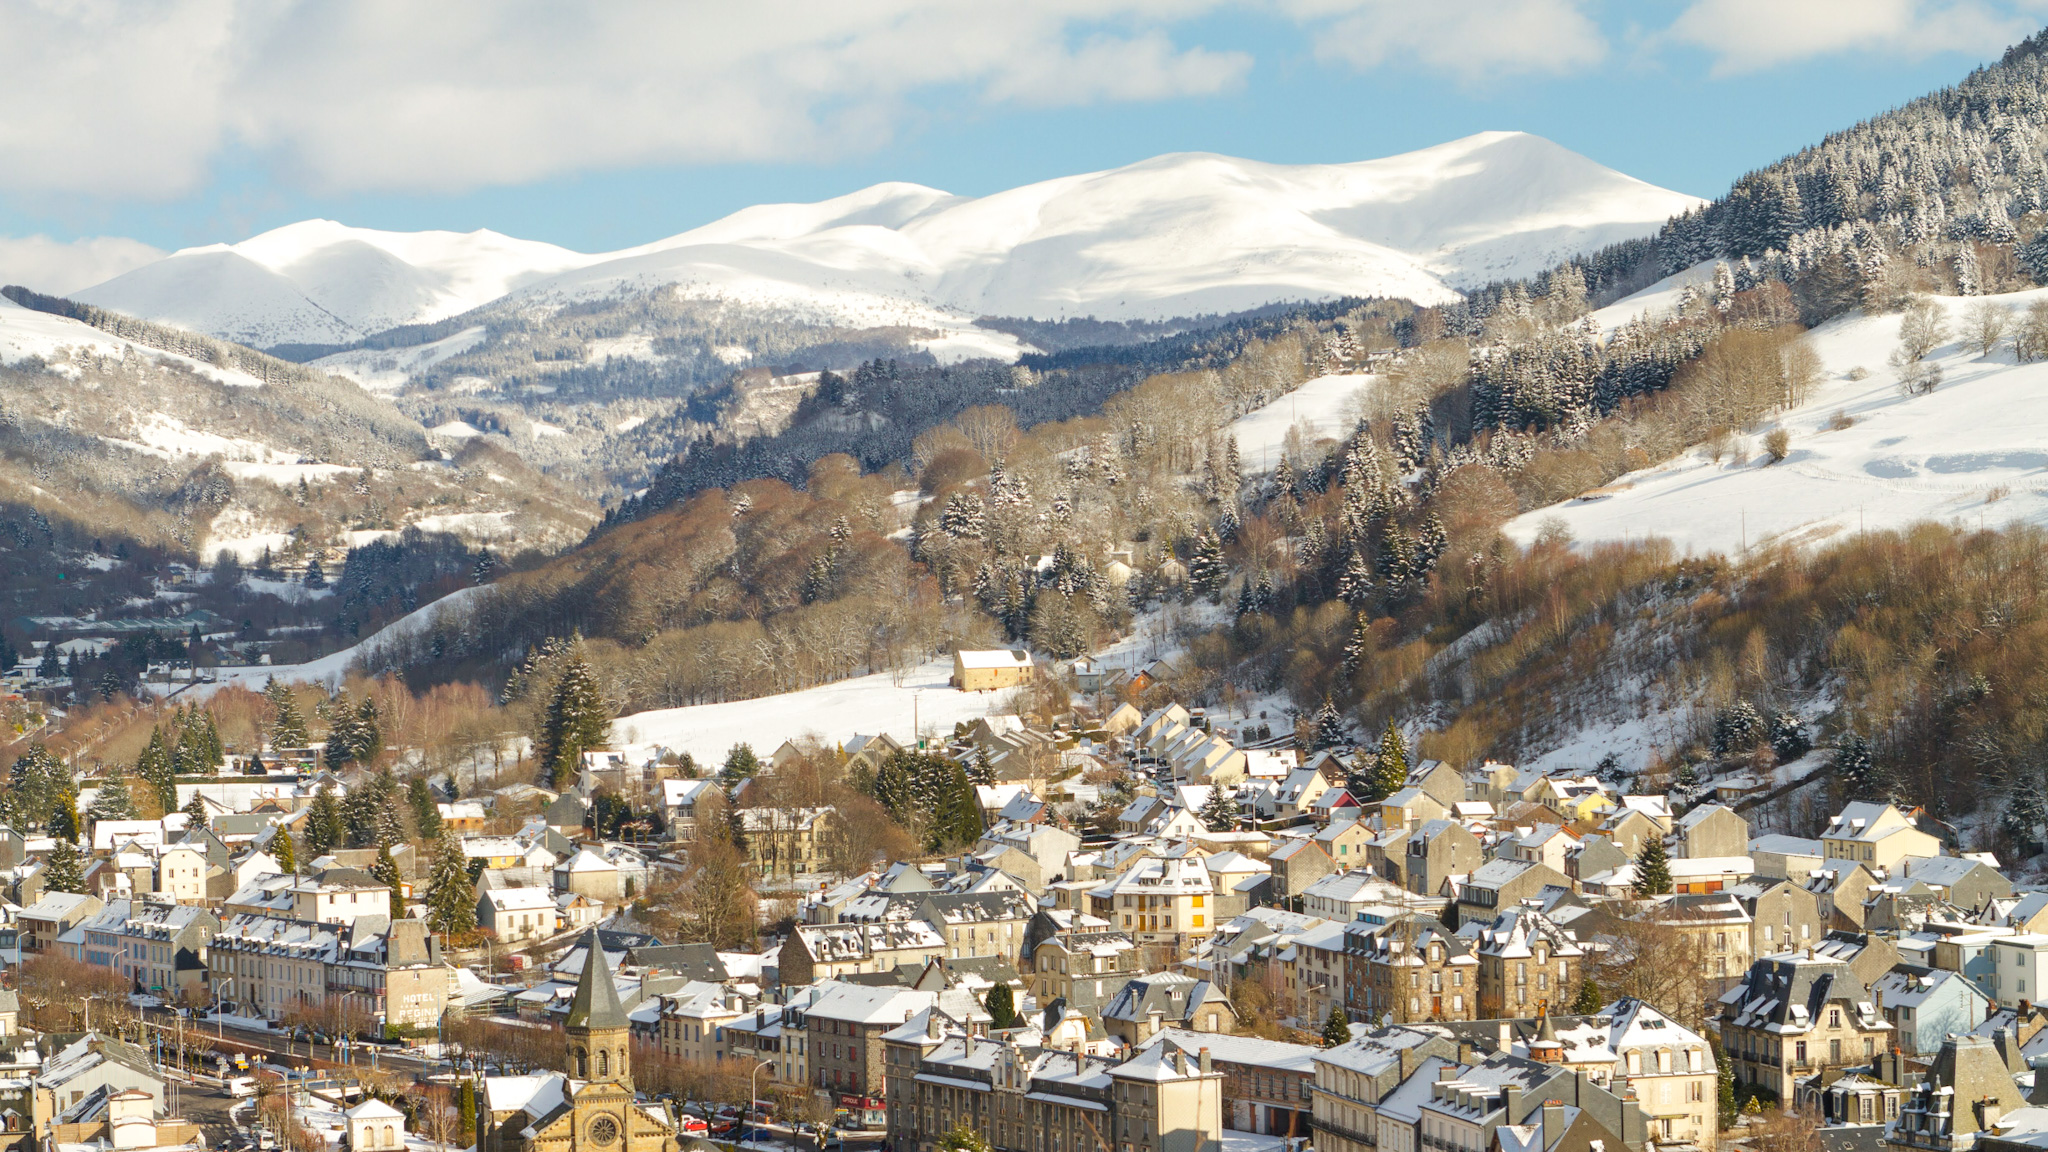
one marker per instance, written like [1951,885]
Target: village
[1163,932]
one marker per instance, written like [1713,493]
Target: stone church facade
[589,1106]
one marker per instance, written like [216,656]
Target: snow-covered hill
[1180,234]
[1863,456]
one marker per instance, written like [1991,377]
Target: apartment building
[1527,965]
[1794,1015]
[1410,969]
[273,968]
[1158,901]
[1040,1100]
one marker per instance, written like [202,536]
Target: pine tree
[426,812]
[63,871]
[740,764]
[979,770]
[1219,812]
[1358,647]
[1588,1001]
[195,811]
[287,726]
[154,769]
[1002,1007]
[284,851]
[1336,1028]
[1326,727]
[451,900]
[1653,869]
[577,721]
[1854,768]
[324,827]
[1724,1096]
[113,801]
[341,735]
[64,821]
[1206,571]
[1393,761]
[386,872]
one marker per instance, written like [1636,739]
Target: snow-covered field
[331,669]
[1180,234]
[1325,407]
[832,712]
[1974,452]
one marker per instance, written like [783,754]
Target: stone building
[589,1106]
[1528,965]
[1408,970]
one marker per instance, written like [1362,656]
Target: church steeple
[600,1036]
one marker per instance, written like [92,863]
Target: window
[1834,1017]
[1799,1052]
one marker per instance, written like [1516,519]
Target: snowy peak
[1177,234]
[321,282]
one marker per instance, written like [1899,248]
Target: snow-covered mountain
[1180,234]
[319,282]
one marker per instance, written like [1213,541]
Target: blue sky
[603,127]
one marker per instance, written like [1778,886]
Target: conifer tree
[1392,767]
[1588,1001]
[979,770]
[386,872]
[342,739]
[1724,1096]
[287,724]
[1206,571]
[64,821]
[154,769]
[1336,1028]
[1325,728]
[1362,775]
[577,721]
[63,871]
[113,801]
[1001,1003]
[195,811]
[1219,812]
[740,764]
[284,851]
[1653,869]
[426,812]
[1855,769]
[451,901]
[324,827]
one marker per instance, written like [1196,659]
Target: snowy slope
[1974,451]
[1180,234]
[832,712]
[1324,408]
[319,282]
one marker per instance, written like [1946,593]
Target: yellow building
[982,670]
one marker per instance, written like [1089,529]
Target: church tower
[600,1036]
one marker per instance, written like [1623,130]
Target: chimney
[1511,1103]
[1507,1038]
[1180,1062]
[1553,1121]
[1205,1065]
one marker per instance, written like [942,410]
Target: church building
[589,1106]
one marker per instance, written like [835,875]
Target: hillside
[1181,234]
[1863,455]
[130,430]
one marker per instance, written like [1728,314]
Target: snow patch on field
[1973,452]
[1323,408]
[832,712]
[457,430]
[285,475]
[387,370]
[635,347]
[472,524]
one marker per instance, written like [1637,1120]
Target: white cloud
[140,99]
[1475,42]
[61,267]
[1745,35]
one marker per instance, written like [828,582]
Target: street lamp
[751,1090]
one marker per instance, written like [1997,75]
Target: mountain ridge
[1177,234]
